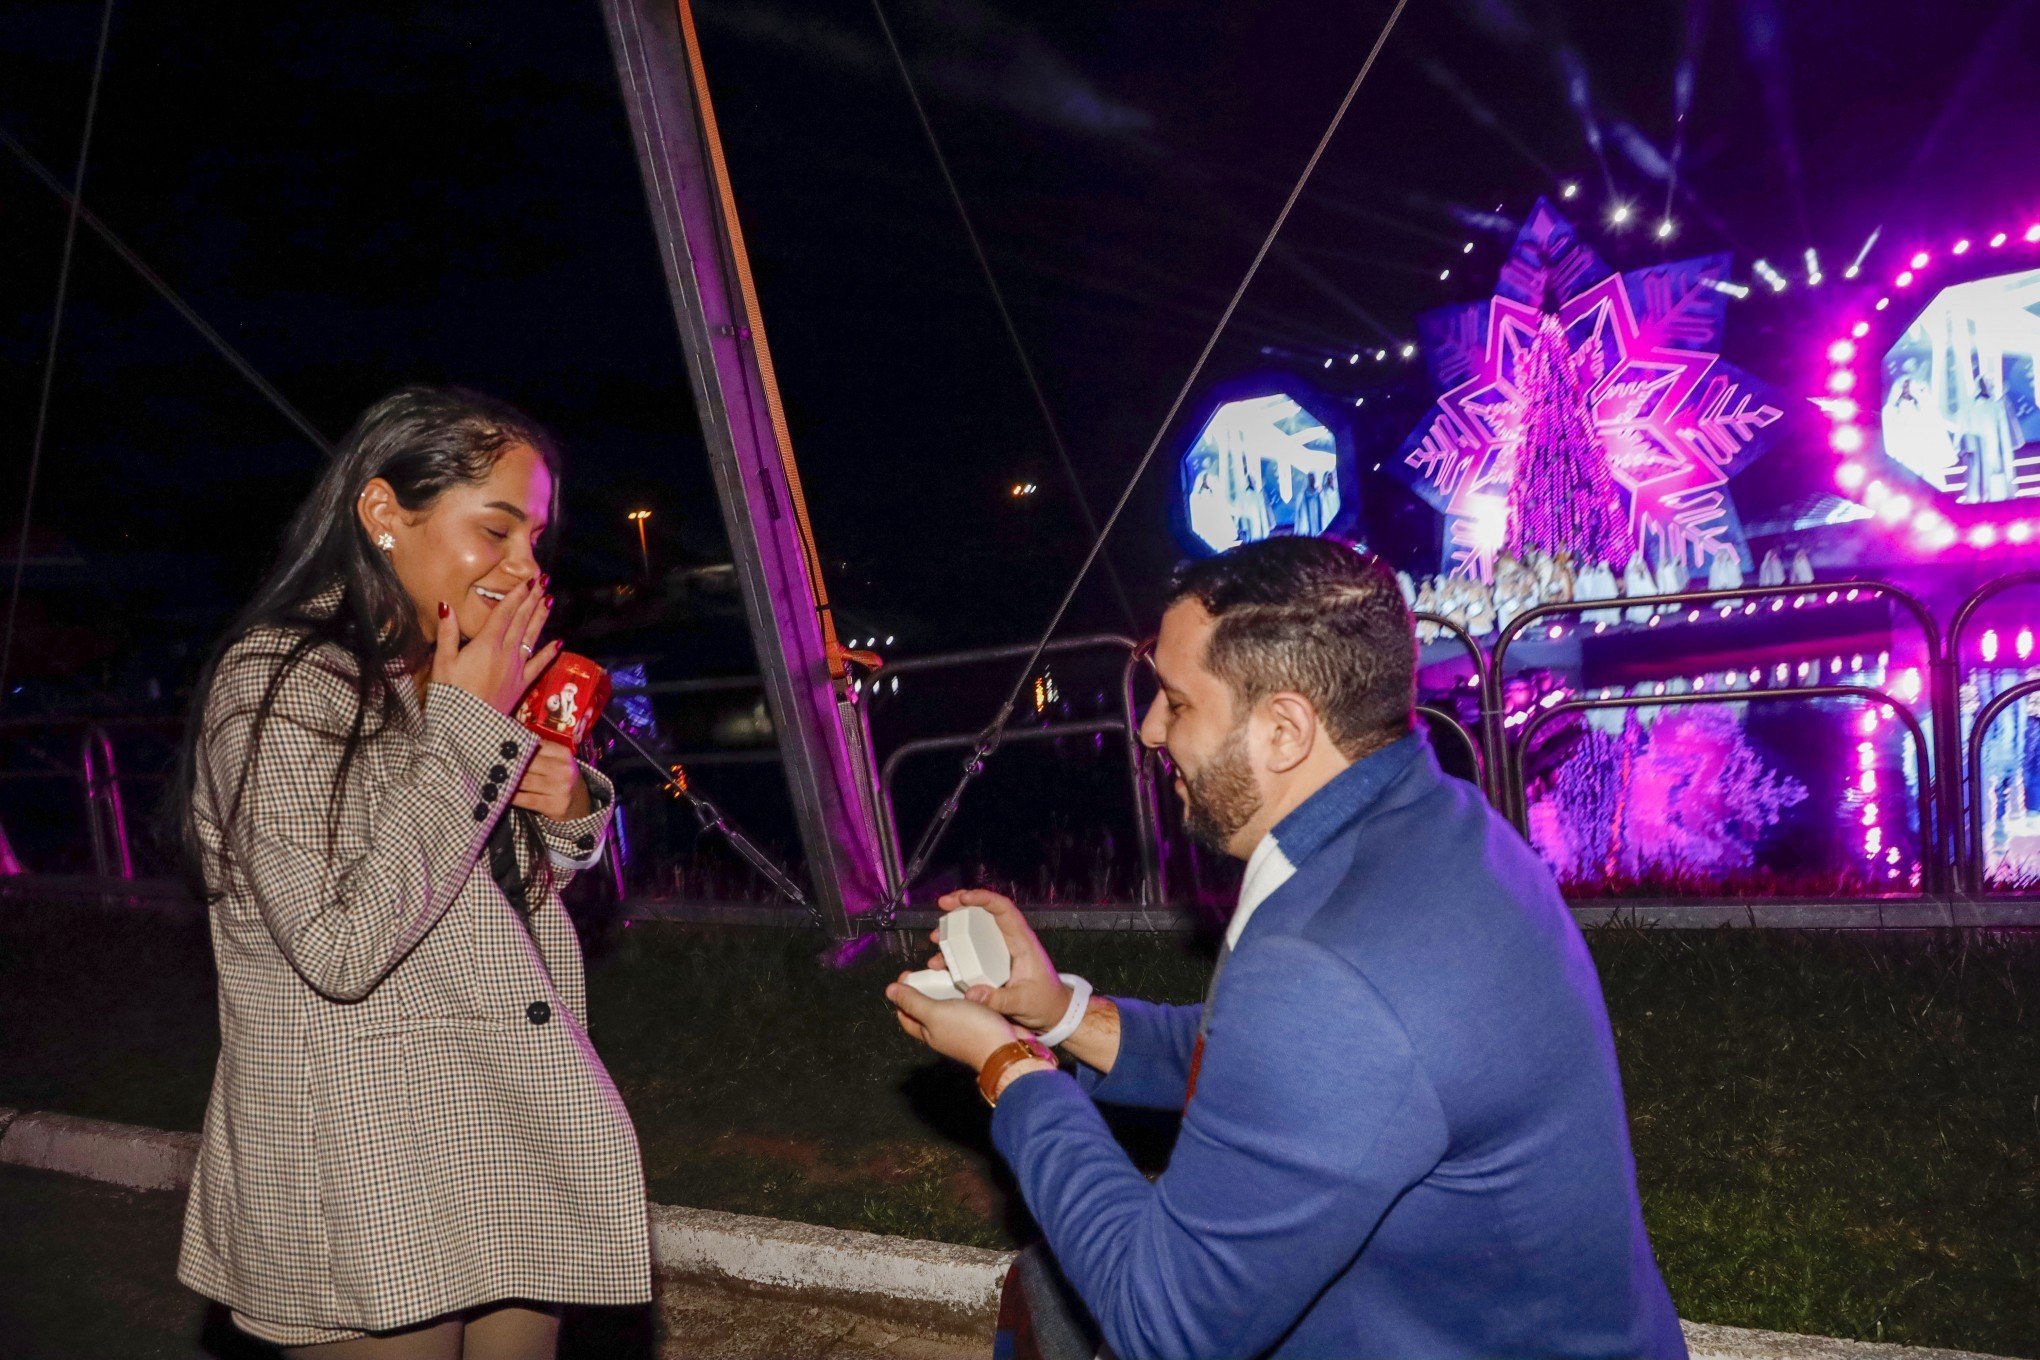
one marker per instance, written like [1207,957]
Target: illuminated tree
[1562,498]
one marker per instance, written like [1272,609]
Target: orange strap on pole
[740,263]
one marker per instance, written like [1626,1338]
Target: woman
[410,1150]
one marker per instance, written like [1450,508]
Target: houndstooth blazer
[407,1117]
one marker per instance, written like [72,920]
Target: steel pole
[826,774]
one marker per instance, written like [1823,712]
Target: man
[1404,1133]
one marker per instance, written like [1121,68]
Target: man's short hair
[1315,617]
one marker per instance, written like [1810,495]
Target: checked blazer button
[585,843]
[497,774]
[481,812]
[509,750]
[489,792]
[538,1012]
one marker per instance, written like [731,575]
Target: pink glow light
[1962,246]
[1849,476]
[1989,644]
[2019,532]
[1875,493]
[2033,234]
[1997,240]
[1982,536]
[2024,645]
[1882,303]
[1846,438]
[1842,351]
[1844,408]
[1895,508]
[1919,261]
[1860,329]
[1841,380]
[1904,280]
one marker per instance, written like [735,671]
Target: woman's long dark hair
[423,441]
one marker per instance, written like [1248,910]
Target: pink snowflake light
[1636,358]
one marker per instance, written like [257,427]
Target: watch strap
[994,1070]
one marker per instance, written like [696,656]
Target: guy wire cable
[235,359]
[984,264]
[49,373]
[674,780]
[988,741]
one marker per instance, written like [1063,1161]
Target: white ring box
[975,952]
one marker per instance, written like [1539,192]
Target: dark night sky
[367,194]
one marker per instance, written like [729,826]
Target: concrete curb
[962,1283]
[867,1270]
[1707,1342]
[123,1154]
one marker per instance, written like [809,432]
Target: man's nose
[1154,725]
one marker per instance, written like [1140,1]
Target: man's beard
[1221,797]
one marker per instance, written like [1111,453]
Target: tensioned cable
[226,351]
[984,263]
[42,410]
[988,742]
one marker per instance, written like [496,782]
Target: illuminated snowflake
[1675,423]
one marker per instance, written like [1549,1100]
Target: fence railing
[1951,796]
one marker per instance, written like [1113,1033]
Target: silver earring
[386,541]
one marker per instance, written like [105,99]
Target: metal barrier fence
[1951,798]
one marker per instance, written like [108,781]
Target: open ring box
[975,952]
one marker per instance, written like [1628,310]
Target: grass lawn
[1834,1133]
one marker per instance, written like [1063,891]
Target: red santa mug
[565,702]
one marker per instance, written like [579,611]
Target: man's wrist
[995,1072]
[1076,1000]
[1017,1071]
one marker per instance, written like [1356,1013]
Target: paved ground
[86,1273]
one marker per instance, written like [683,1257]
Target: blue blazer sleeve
[1153,1066]
[1312,1117]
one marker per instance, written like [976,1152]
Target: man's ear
[1293,730]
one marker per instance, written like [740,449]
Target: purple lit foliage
[1561,498]
[1687,792]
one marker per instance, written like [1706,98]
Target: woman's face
[471,546]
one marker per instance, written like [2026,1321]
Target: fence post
[104,816]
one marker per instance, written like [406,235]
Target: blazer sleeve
[1312,1117]
[577,843]
[345,917]
[1152,1070]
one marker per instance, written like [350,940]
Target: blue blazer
[1408,1137]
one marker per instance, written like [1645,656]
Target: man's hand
[552,785]
[963,1030]
[1033,995]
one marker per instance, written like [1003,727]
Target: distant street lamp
[644,550]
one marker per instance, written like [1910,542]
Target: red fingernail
[443,610]
[548,602]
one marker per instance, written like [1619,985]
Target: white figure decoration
[1637,584]
[1671,579]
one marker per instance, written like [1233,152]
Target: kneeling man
[1403,1132]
